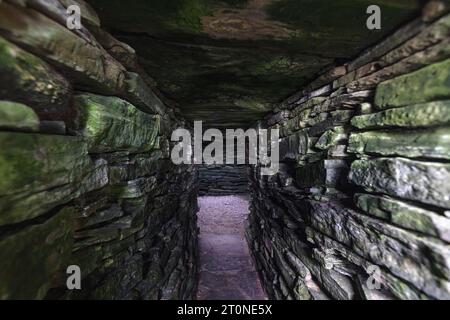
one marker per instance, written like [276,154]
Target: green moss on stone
[16,116]
[434,143]
[38,162]
[415,116]
[331,138]
[112,124]
[405,215]
[29,80]
[427,84]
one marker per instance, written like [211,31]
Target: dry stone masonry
[361,207]
[216,180]
[86,177]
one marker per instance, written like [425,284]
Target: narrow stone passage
[226,268]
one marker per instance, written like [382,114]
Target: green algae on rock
[331,138]
[432,143]
[429,114]
[427,84]
[33,162]
[87,64]
[29,80]
[110,123]
[405,215]
[42,172]
[17,116]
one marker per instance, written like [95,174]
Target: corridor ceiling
[227,62]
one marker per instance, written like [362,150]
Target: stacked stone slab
[86,177]
[361,206]
[221,180]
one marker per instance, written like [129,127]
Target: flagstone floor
[226,268]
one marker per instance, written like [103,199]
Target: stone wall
[86,177]
[217,180]
[360,208]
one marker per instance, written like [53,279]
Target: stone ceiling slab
[218,58]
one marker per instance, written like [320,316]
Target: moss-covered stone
[32,162]
[425,182]
[331,138]
[86,63]
[434,143]
[16,116]
[29,80]
[427,84]
[30,257]
[135,188]
[42,171]
[405,215]
[141,95]
[415,116]
[112,124]
[136,166]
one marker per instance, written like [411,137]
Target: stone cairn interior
[359,209]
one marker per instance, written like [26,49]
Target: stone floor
[227,271]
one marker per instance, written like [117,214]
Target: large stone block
[434,143]
[29,80]
[135,166]
[83,61]
[331,138]
[40,172]
[111,124]
[427,84]
[138,93]
[33,162]
[425,182]
[415,116]
[405,215]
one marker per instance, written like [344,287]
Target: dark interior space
[93,205]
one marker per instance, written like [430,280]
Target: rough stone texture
[245,55]
[416,116]
[358,210]
[421,181]
[112,124]
[86,179]
[88,64]
[29,80]
[16,116]
[433,143]
[405,215]
[38,251]
[364,179]
[222,180]
[226,272]
[427,84]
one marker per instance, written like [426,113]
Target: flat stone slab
[226,268]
